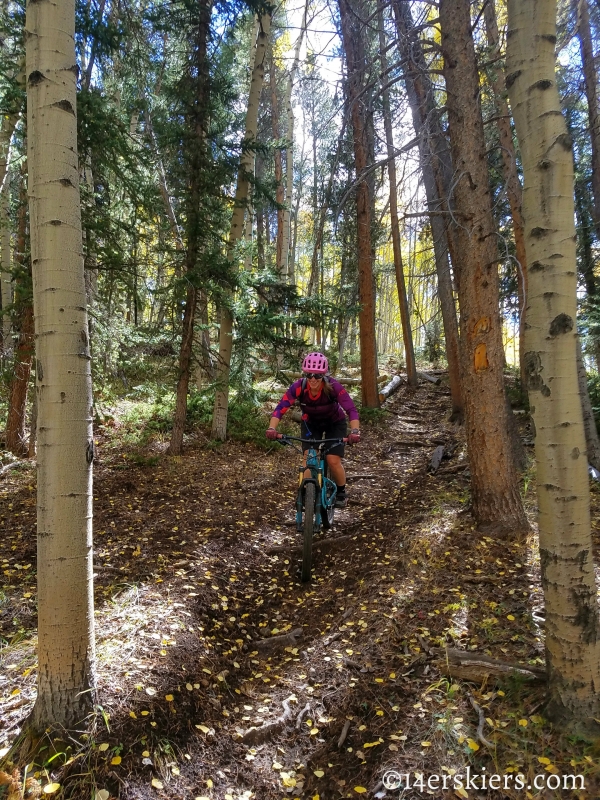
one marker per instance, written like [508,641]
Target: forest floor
[196,562]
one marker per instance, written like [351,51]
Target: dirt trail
[191,574]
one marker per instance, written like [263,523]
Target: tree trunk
[16,440]
[572,633]
[592,442]
[436,168]
[494,485]
[66,674]
[289,151]
[236,231]
[352,33]
[590,80]
[279,189]
[409,353]
[185,362]
[23,313]
[512,184]
[198,155]
[5,270]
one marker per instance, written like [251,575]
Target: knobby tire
[309,527]
[328,513]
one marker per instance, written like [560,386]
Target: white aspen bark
[5,276]
[66,677]
[236,231]
[409,353]
[572,640]
[289,153]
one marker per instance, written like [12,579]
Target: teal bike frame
[325,488]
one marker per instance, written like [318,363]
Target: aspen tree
[289,152]
[409,352]
[572,633]
[66,674]
[236,231]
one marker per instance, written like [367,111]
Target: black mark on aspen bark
[510,79]
[565,141]
[63,397]
[35,78]
[543,85]
[66,182]
[537,233]
[39,370]
[575,453]
[548,37]
[65,105]
[89,451]
[533,373]
[562,323]
[55,222]
[584,600]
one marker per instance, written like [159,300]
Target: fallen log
[430,378]
[436,459]
[390,388]
[345,381]
[478,668]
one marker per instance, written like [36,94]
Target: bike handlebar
[311,441]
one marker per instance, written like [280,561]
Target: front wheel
[328,513]
[309,527]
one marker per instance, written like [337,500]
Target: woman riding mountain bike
[324,403]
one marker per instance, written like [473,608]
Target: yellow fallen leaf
[510,617]
[189,687]
[133,715]
[523,723]
[472,744]
[543,760]
[372,744]
[319,773]
[103,747]
[425,744]
[146,753]
[461,792]
[156,783]
[277,765]
[102,794]
[316,797]
[203,728]
[51,788]
[209,783]
[169,698]
[314,731]
[145,713]
[116,760]
[360,789]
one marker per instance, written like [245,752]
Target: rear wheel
[309,527]
[329,512]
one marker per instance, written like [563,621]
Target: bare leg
[336,469]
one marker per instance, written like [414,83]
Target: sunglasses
[314,375]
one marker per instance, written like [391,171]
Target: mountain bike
[315,500]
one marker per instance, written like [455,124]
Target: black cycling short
[325,430]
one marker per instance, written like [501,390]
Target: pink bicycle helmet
[315,362]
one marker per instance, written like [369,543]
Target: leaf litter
[196,567]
